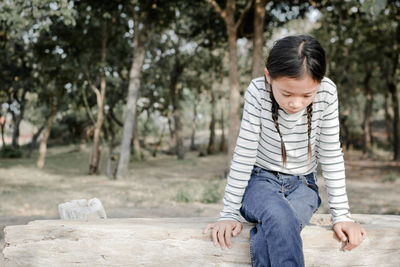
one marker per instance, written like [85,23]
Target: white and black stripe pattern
[259,144]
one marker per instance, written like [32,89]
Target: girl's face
[293,95]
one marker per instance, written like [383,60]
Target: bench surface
[180,242]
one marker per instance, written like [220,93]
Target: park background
[138,103]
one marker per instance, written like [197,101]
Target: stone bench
[180,242]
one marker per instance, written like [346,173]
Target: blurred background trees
[129,79]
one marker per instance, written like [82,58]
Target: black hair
[293,57]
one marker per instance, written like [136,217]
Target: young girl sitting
[290,124]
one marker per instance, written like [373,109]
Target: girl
[290,123]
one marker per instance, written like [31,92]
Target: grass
[183,195]
[178,187]
[212,193]
[391,177]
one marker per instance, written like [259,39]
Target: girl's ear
[267,75]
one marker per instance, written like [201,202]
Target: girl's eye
[308,96]
[285,95]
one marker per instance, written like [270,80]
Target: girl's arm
[245,152]
[244,157]
[333,171]
[331,158]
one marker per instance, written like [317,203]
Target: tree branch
[92,86]
[244,13]
[85,102]
[112,115]
[217,8]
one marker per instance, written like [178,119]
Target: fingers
[228,235]
[214,236]
[222,232]
[352,243]
[221,237]
[340,234]
[210,226]
[356,236]
[237,229]
[214,232]
[363,233]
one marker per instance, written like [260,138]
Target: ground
[164,186]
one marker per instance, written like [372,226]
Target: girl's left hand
[351,232]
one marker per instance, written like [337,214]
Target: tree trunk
[134,85]
[234,96]
[390,72]
[15,134]
[179,149]
[145,126]
[180,242]
[174,94]
[2,125]
[95,156]
[43,144]
[371,129]
[111,157]
[391,78]
[344,127]
[193,135]
[18,118]
[396,120]
[158,144]
[222,146]
[211,141]
[135,139]
[100,95]
[258,58]
[172,141]
[367,116]
[388,119]
[34,140]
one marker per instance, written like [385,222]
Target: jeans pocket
[256,170]
[310,182]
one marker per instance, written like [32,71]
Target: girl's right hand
[222,231]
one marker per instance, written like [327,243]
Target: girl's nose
[295,103]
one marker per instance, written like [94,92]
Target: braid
[274,113]
[309,117]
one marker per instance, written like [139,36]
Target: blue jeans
[281,205]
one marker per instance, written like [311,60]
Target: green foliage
[183,195]
[374,7]
[10,152]
[137,156]
[59,131]
[391,177]
[33,16]
[212,193]
[46,45]
[361,39]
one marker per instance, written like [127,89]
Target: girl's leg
[305,199]
[278,231]
[259,246]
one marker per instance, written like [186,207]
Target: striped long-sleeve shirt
[259,144]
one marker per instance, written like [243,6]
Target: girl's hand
[222,232]
[351,232]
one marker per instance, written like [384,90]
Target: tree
[21,24]
[232,24]
[350,31]
[258,58]
[145,14]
